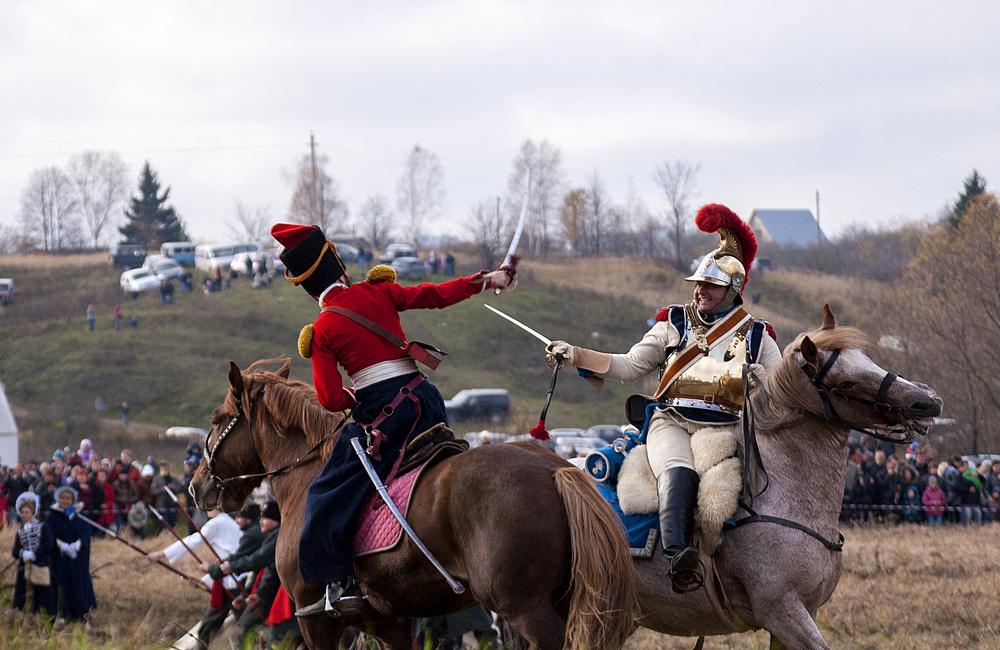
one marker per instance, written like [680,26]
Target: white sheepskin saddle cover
[718,467]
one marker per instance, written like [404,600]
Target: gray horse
[773,575]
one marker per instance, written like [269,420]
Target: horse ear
[809,351]
[285,369]
[829,321]
[235,379]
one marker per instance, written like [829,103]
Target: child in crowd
[912,506]
[933,500]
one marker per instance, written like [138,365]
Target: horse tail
[604,600]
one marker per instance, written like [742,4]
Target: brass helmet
[727,265]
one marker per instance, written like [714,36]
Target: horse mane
[289,406]
[784,398]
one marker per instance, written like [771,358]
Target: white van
[208,257]
[182,251]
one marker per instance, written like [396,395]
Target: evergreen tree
[975,186]
[149,221]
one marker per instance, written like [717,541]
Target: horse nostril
[924,407]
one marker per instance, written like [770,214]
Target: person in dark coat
[384,374]
[261,563]
[72,562]
[33,543]
[225,588]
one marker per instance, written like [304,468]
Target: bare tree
[597,209]
[49,210]
[316,199]
[101,182]
[252,225]
[545,203]
[420,190]
[573,215]
[13,240]
[485,225]
[677,180]
[376,220]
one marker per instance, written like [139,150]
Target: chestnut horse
[523,530]
[775,575]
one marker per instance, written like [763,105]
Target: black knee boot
[677,490]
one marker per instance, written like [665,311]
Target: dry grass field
[903,587]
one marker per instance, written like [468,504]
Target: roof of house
[783,227]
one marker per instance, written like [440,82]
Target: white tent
[8,432]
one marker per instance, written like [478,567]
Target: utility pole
[312,198]
[818,231]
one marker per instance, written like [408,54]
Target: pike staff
[173,532]
[177,536]
[183,511]
[114,535]
[239,583]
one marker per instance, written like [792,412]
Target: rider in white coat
[700,349]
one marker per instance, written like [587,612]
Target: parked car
[491,404]
[126,256]
[163,267]
[348,254]
[136,280]
[409,268]
[577,446]
[607,432]
[393,251]
[7,294]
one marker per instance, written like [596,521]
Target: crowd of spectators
[879,486]
[117,493]
[126,496]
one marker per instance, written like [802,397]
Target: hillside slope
[172,368]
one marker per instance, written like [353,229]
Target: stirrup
[686,576]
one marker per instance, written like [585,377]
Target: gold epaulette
[305,341]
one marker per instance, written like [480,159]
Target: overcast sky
[883,107]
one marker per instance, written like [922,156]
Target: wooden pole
[107,531]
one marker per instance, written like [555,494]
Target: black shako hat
[310,260]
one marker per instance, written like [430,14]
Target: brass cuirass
[716,378]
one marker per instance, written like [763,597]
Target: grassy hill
[172,368]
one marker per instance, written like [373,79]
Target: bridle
[211,453]
[900,433]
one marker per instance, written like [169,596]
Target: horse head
[829,375]
[262,421]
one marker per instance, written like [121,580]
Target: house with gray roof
[786,227]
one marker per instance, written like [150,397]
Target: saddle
[630,488]
[378,530]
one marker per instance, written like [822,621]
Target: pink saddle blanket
[378,530]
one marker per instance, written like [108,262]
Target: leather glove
[558,351]
[758,371]
[496,279]
[27,556]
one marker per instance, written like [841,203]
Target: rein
[210,453]
[898,433]
[755,517]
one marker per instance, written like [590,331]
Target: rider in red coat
[382,373]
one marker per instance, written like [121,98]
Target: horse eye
[847,385]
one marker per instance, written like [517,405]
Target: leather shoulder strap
[691,353]
[367,324]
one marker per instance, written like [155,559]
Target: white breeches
[668,441]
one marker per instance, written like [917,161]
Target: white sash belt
[382,371]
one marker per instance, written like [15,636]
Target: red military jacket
[338,340]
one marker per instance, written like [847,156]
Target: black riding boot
[677,490]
